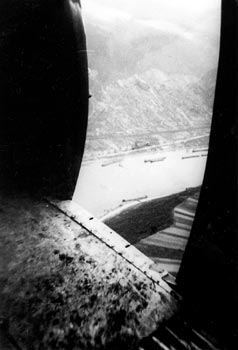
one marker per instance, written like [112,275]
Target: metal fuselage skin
[43,93]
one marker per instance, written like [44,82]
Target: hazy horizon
[182,13]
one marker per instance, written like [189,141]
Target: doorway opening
[152,72]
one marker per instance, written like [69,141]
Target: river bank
[143,219]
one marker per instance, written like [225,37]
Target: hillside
[152,75]
[147,109]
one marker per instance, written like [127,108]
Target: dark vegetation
[147,218]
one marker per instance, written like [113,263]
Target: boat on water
[200,150]
[134,199]
[153,160]
[188,157]
[111,162]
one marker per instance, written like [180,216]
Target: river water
[103,187]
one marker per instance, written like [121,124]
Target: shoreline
[149,217]
[165,148]
[117,211]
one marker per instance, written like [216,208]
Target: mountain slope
[151,78]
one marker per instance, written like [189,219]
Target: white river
[101,189]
